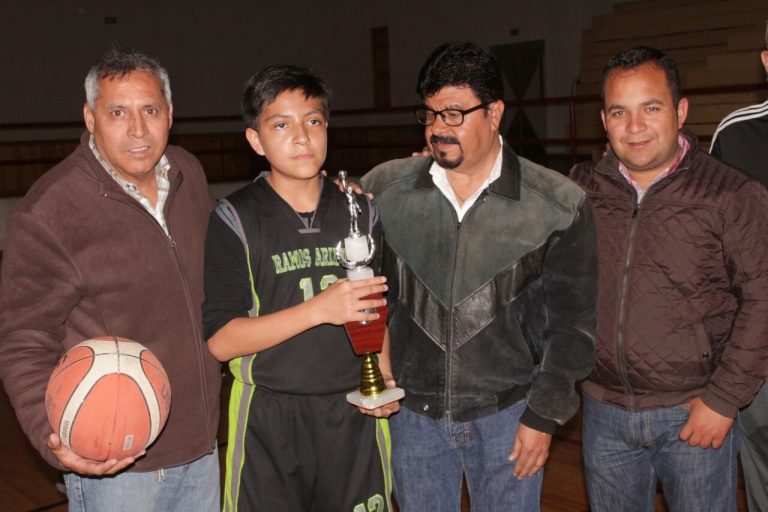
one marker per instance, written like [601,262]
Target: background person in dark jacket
[682,302]
[491,263]
[110,243]
[741,140]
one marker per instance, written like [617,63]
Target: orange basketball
[108,398]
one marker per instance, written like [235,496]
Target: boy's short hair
[263,87]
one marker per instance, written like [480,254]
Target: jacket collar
[609,164]
[507,185]
[96,170]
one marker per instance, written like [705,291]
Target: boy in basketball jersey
[275,303]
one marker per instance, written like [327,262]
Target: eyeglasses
[450,116]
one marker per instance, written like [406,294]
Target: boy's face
[292,135]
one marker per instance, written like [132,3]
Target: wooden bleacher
[715,43]
[225,156]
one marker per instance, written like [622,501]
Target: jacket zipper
[198,335]
[187,294]
[196,328]
[621,359]
[449,342]
[621,356]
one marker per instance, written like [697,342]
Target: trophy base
[372,402]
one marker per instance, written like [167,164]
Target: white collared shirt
[440,179]
[163,186]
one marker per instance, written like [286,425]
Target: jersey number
[308,289]
[375,504]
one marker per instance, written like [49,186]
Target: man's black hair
[266,85]
[461,65]
[634,57]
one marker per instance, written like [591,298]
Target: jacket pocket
[703,347]
[527,339]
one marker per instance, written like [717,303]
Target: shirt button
[705,355]
[425,408]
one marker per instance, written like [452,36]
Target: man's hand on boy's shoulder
[356,188]
[386,410]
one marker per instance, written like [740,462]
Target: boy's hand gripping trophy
[354,253]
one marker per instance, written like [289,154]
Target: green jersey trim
[243,386]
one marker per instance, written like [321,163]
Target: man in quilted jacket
[682,300]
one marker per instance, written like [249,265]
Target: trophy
[355,253]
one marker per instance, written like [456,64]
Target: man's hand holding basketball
[87,467]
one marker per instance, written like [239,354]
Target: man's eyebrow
[156,104]
[450,106]
[618,106]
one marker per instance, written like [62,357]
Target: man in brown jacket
[682,300]
[110,242]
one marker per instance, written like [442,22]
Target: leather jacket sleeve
[568,347]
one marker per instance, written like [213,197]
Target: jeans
[192,487]
[429,457]
[625,452]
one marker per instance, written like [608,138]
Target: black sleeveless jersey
[291,257]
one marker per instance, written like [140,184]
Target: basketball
[108,398]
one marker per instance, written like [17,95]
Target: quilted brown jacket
[683,285]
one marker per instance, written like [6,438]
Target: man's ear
[88,116]
[764,58]
[496,112]
[602,117]
[252,136]
[682,112]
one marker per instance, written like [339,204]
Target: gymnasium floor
[27,484]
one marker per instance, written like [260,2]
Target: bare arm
[338,304]
[385,363]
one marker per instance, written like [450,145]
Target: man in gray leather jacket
[491,265]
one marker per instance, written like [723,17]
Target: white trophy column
[356,249]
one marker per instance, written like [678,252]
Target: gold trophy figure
[355,253]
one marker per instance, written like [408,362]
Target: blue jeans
[192,487]
[429,457]
[625,452]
